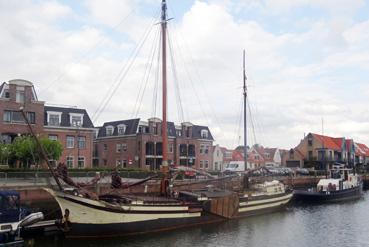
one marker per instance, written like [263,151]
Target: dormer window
[204,134]
[121,129]
[76,119]
[6,94]
[109,130]
[53,118]
[19,95]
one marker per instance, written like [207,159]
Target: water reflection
[345,224]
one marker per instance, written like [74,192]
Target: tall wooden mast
[164,130]
[244,113]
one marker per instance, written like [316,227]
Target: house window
[31,116]
[118,163]
[105,147]
[179,133]
[310,155]
[124,146]
[171,148]
[109,130]
[124,162]
[206,149]
[81,142]
[206,164]
[81,162]
[7,117]
[19,96]
[17,117]
[121,129]
[291,154]
[76,120]
[201,164]
[53,137]
[202,149]
[155,130]
[105,162]
[118,148]
[70,141]
[6,94]
[54,119]
[204,134]
[310,141]
[70,161]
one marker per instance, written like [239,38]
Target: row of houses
[321,152]
[257,156]
[126,143]
[138,142]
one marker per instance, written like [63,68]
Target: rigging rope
[177,91]
[145,79]
[156,82]
[84,55]
[122,74]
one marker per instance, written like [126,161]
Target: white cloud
[293,80]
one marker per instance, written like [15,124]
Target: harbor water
[303,225]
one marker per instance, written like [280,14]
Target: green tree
[52,148]
[25,149]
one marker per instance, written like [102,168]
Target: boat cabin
[9,206]
[340,178]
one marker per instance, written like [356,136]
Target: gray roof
[1,87]
[132,125]
[65,118]
[196,132]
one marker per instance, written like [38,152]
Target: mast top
[164,11]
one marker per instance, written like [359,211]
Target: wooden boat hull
[263,204]
[332,196]
[90,218]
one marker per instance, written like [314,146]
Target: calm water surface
[345,224]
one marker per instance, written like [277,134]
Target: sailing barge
[87,215]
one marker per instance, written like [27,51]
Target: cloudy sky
[307,61]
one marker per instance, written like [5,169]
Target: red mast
[164,166]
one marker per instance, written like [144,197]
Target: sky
[307,63]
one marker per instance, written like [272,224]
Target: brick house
[73,128]
[361,154]
[320,152]
[56,123]
[293,158]
[13,96]
[136,143]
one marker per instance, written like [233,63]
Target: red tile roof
[328,142]
[361,149]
